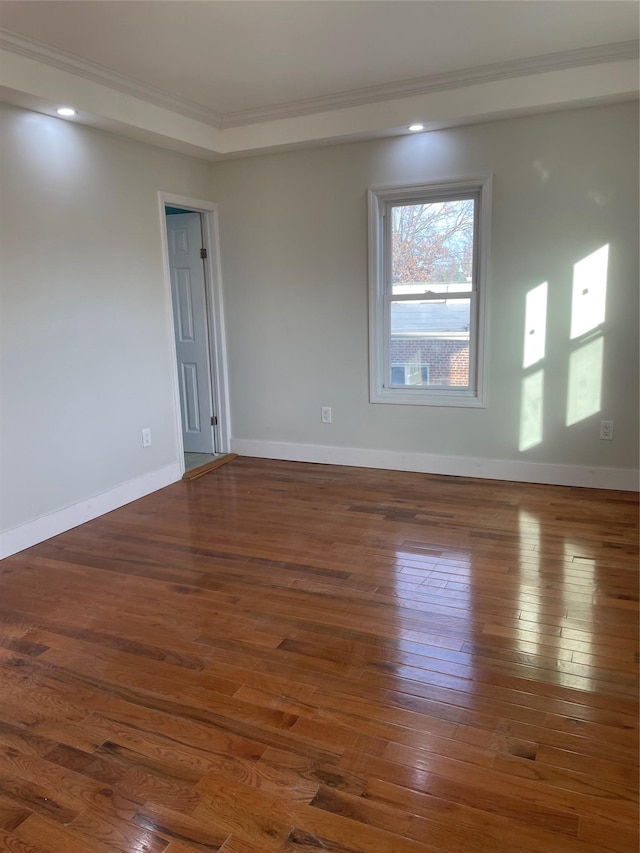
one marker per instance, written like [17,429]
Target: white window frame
[380,293]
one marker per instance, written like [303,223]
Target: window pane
[432,243]
[430,343]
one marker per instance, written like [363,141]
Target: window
[427,289]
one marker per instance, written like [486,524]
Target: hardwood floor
[290,657]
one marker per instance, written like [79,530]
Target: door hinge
[203,254]
[214,420]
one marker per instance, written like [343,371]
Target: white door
[184,237]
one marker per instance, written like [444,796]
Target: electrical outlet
[606,430]
[325,415]
[146,437]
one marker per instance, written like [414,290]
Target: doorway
[190,243]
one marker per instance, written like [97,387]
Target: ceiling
[238,76]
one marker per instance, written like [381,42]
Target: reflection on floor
[195,460]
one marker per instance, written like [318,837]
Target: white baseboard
[26,535]
[625,479]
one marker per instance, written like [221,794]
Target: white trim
[433,83]
[215,302]
[32,532]
[33,85]
[379,200]
[495,72]
[61,59]
[484,277]
[625,479]
[18,538]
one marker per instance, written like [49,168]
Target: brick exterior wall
[448,360]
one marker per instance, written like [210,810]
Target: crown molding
[82,68]
[577,58]
[87,70]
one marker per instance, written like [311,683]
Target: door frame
[208,211]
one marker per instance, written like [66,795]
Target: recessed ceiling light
[416,127]
[66,111]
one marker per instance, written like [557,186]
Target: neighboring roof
[442,319]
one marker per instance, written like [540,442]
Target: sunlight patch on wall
[531,410]
[589,292]
[585,381]
[535,325]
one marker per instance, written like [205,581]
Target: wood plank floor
[290,657]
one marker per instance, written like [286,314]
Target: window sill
[427,398]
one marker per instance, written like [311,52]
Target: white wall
[293,246]
[85,358]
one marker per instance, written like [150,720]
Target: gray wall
[294,257]
[85,344]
